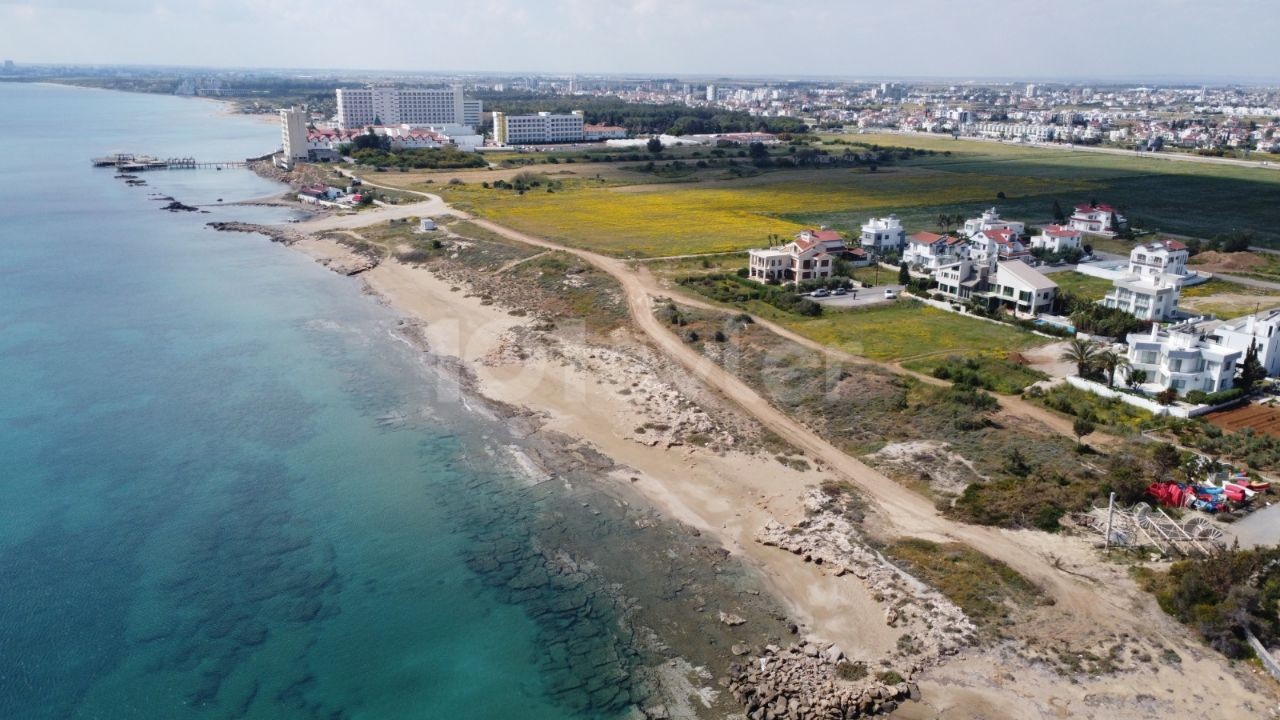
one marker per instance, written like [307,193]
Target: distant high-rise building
[358,107]
[293,136]
[573,84]
[1031,90]
[711,93]
[8,66]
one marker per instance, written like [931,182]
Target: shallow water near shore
[229,489]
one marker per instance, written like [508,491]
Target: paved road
[862,297]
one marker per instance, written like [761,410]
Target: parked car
[840,291]
[821,292]
[890,294]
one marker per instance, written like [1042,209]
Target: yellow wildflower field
[718,216]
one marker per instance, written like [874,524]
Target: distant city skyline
[1169,40]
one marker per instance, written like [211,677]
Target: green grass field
[904,329]
[1081,285]
[1188,198]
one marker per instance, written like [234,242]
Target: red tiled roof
[1059,231]
[926,238]
[1175,245]
[823,235]
[1103,207]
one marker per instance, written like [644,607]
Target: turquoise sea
[227,490]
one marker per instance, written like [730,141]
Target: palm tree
[1081,352]
[1110,361]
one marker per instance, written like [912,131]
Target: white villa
[1023,288]
[991,220]
[1100,219]
[1262,330]
[1153,283]
[880,235]
[928,251]
[1182,359]
[1057,239]
[1010,283]
[810,256]
[999,244]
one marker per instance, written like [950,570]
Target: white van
[890,294]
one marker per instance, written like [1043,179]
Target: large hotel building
[358,107]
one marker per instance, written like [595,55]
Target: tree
[1251,370]
[1080,428]
[1167,396]
[654,146]
[1059,216]
[1166,457]
[1136,378]
[904,275]
[1081,352]
[1016,464]
[1110,360]
[758,151]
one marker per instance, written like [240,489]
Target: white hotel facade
[543,127]
[358,107]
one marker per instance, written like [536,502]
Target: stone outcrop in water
[176,206]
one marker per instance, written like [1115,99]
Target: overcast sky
[1132,39]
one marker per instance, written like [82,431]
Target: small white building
[1057,239]
[991,220]
[883,235]
[1098,219]
[1261,330]
[1162,257]
[1146,298]
[1181,359]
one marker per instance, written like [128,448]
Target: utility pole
[1111,511]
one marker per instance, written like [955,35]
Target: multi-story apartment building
[543,127]
[1181,359]
[882,235]
[928,251]
[1150,289]
[358,107]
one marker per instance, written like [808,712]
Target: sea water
[227,489]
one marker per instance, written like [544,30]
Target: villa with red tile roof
[1101,219]
[810,256]
[928,251]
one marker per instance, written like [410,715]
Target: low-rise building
[543,127]
[1151,287]
[997,245]
[595,133]
[991,220]
[1057,239]
[1098,219]
[1181,359]
[883,235]
[1260,330]
[928,251]
[810,256]
[1023,289]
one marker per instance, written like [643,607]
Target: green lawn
[990,370]
[903,329]
[1081,285]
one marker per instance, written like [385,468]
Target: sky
[1078,39]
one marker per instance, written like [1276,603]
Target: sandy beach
[583,389]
